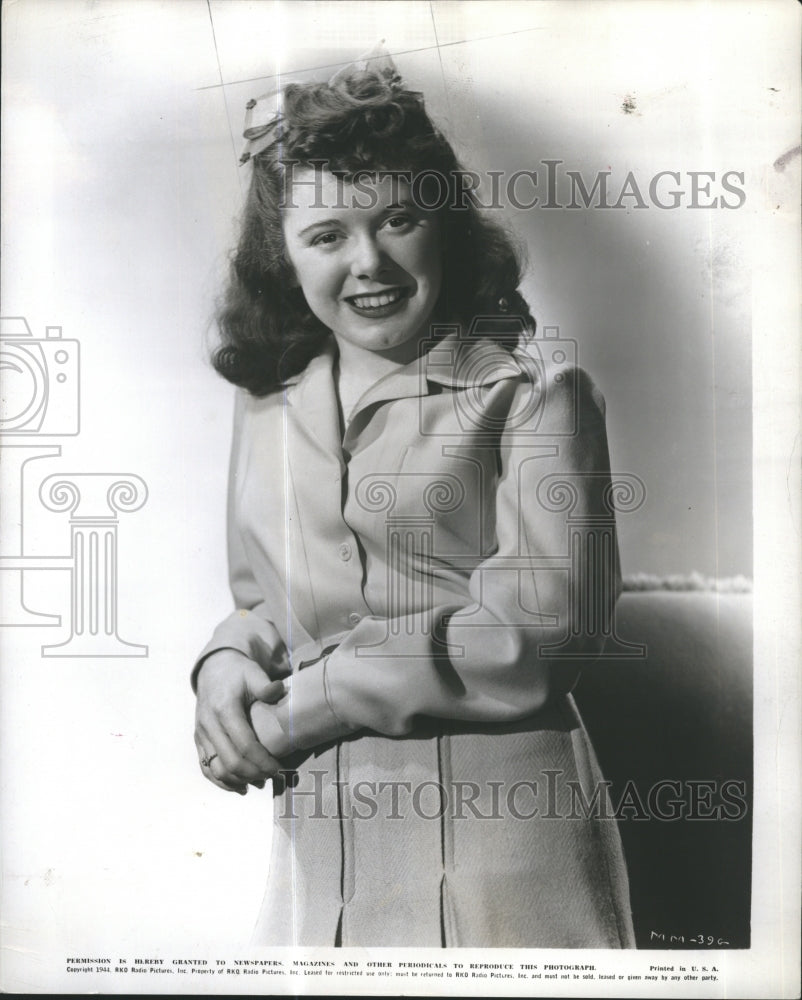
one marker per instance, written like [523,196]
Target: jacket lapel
[313,411]
[454,361]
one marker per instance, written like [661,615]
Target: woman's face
[368,260]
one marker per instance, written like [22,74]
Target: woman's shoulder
[545,365]
[551,365]
[247,402]
[253,412]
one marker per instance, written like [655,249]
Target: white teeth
[376,301]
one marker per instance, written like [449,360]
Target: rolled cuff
[305,713]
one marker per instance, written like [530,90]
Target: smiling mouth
[377,302]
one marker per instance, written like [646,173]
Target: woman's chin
[382,338]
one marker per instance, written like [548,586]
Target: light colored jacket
[427,571]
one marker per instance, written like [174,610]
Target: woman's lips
[378,303]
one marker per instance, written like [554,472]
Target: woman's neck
[359,369]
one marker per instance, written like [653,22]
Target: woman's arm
[484,660]
[243,663]
[249,629]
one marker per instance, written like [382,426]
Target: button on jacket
[421,569]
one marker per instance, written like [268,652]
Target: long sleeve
[263,610]
[246,628]
[251,628]
[489,658]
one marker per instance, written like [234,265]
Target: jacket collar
[460,363]
[313,398]
[453,361]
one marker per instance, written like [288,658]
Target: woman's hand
[267,728]
[228,685]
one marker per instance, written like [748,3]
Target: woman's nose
[368,258]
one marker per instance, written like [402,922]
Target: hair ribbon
[261,117]
[264,113]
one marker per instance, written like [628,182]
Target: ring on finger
[207,759]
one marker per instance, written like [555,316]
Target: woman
[409,618]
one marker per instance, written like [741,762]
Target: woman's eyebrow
[324,223]
[404,203]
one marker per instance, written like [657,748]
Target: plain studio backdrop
[122,129]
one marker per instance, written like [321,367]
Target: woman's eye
[400,222]
[325,239]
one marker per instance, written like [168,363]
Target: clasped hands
[236,728]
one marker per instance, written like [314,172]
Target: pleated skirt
[455,836]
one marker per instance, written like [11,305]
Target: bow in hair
[265,112]
[261,117]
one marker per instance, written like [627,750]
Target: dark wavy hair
[366,123]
